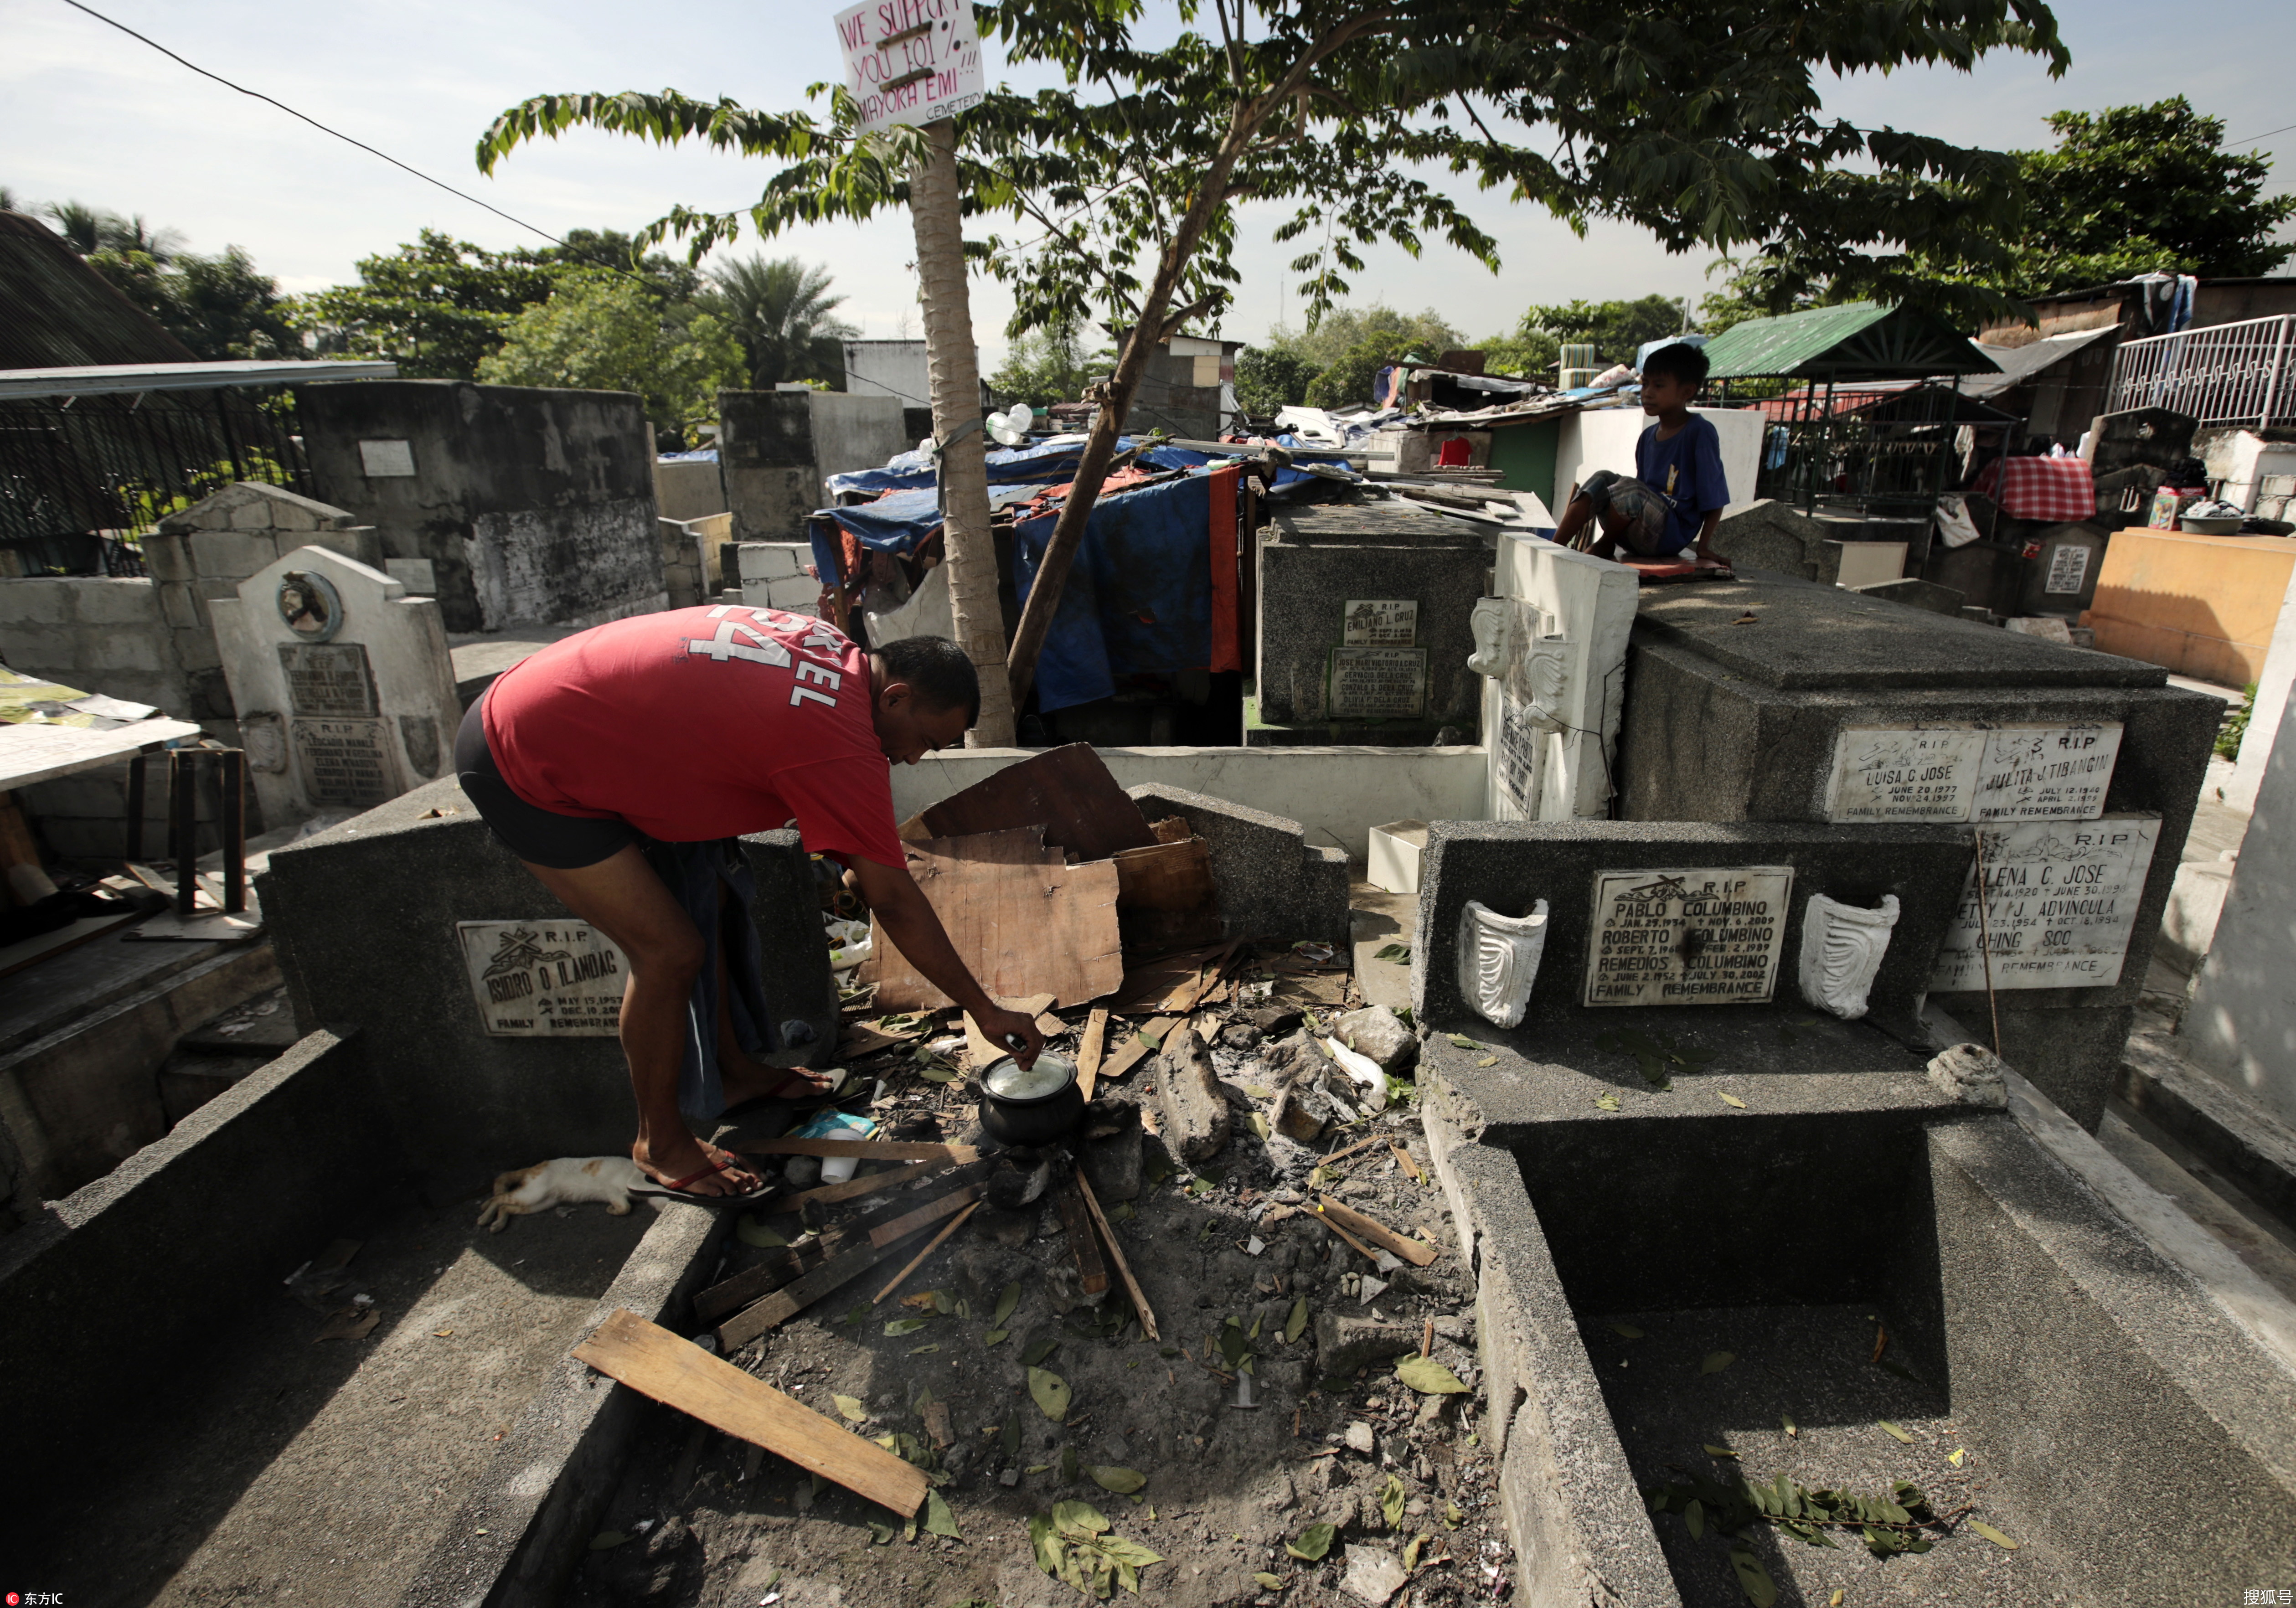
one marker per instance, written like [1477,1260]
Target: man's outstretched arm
[909,920]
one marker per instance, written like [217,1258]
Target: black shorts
[541,837]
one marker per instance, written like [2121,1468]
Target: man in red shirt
[700,724]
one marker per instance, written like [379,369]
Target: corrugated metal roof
[1859,339]
[125,379]
[54,310]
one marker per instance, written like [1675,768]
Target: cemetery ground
[1357,1477]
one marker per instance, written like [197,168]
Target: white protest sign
[911,60]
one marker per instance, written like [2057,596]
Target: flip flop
[680,1190]
[814,1100]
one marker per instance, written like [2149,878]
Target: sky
[89,114]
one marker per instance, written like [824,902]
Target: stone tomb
[1577,929]
[1552,648]
[1365,632]
[343,684]
[1771,699]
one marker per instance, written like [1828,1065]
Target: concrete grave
[778,446]
[1365,612]
[772,577]
[1680,922]
[407,960]
[1768,700]
[1273,883]
[1915,594]
[536,506]
[343,682]
[1555,679]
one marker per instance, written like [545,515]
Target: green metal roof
[1857,341]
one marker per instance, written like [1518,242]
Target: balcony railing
[2222,374]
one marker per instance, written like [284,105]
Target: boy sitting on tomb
[1675,500]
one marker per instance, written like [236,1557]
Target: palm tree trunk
[956,368]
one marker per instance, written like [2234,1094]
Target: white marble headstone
[343,684]
[1551,718]
[2059,907]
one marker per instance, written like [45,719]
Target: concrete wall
[1605,438]
[2202,606]
[2257,743]
[898,369]
[681,564]
[688,490]
[1337,794]
[772,577]
[776,447]
[536,506]
[2242,1023]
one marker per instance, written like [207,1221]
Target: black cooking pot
[1032,1107]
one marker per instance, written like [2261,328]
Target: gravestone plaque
[1374,623]
[2046,773]
[328,677]
[544,979]
[1905,773]
[2061,906]
[345,761]
[1379,683]
[1705,936]
[1516,761]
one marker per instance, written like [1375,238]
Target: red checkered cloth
[2059,490]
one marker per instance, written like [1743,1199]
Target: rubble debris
[1417,1252]
[1188,1090]
[1375,1033]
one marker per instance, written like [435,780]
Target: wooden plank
[868,1150]
[654,1362]
[931,1245]
[1116,1254]
[1368,1253]
[1166,877]
[1089,1054]
[1403,1160]
[29,754]
[1417,1252]
[1077,1223]
[1068,791]
[31,951]
[796,1296]
[1131,1052]
[1171,829]
[1023,930]
[1176,982]
[854,1188]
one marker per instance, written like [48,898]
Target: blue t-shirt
[1687,471]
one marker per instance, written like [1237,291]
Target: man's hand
[998,1025]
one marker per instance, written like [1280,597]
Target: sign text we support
[910,61]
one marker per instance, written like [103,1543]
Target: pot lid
[1007,1079]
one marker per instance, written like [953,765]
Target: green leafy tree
[1349,382]
[219,306]
[1428,333]
[1272,377]
[1048,365]
[1113,188]
[1617,329]
[603,330]
[436,307]
[1526,355]
[779,310]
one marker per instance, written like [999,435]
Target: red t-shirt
[701,722]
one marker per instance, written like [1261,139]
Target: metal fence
[82,477]
[2222,374]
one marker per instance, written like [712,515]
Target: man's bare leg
[623,898]
[741,1074]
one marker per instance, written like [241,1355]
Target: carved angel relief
[1841,951]
[1499,960]
[1544,677]
[1491,622]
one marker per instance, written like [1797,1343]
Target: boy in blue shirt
[1676,499]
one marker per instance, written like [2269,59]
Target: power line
[2266,135]
[314,122]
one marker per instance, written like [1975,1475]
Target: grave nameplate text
[2061,907]
[1377,623]
[345,761]
[1379,683]
[544,979]
[328,677]
[1972,773]
[2046,773]
[1905,773]
[1711,935]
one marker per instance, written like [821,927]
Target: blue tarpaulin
[1138,598]
[1040,463]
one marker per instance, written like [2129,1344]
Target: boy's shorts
[1644,513]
